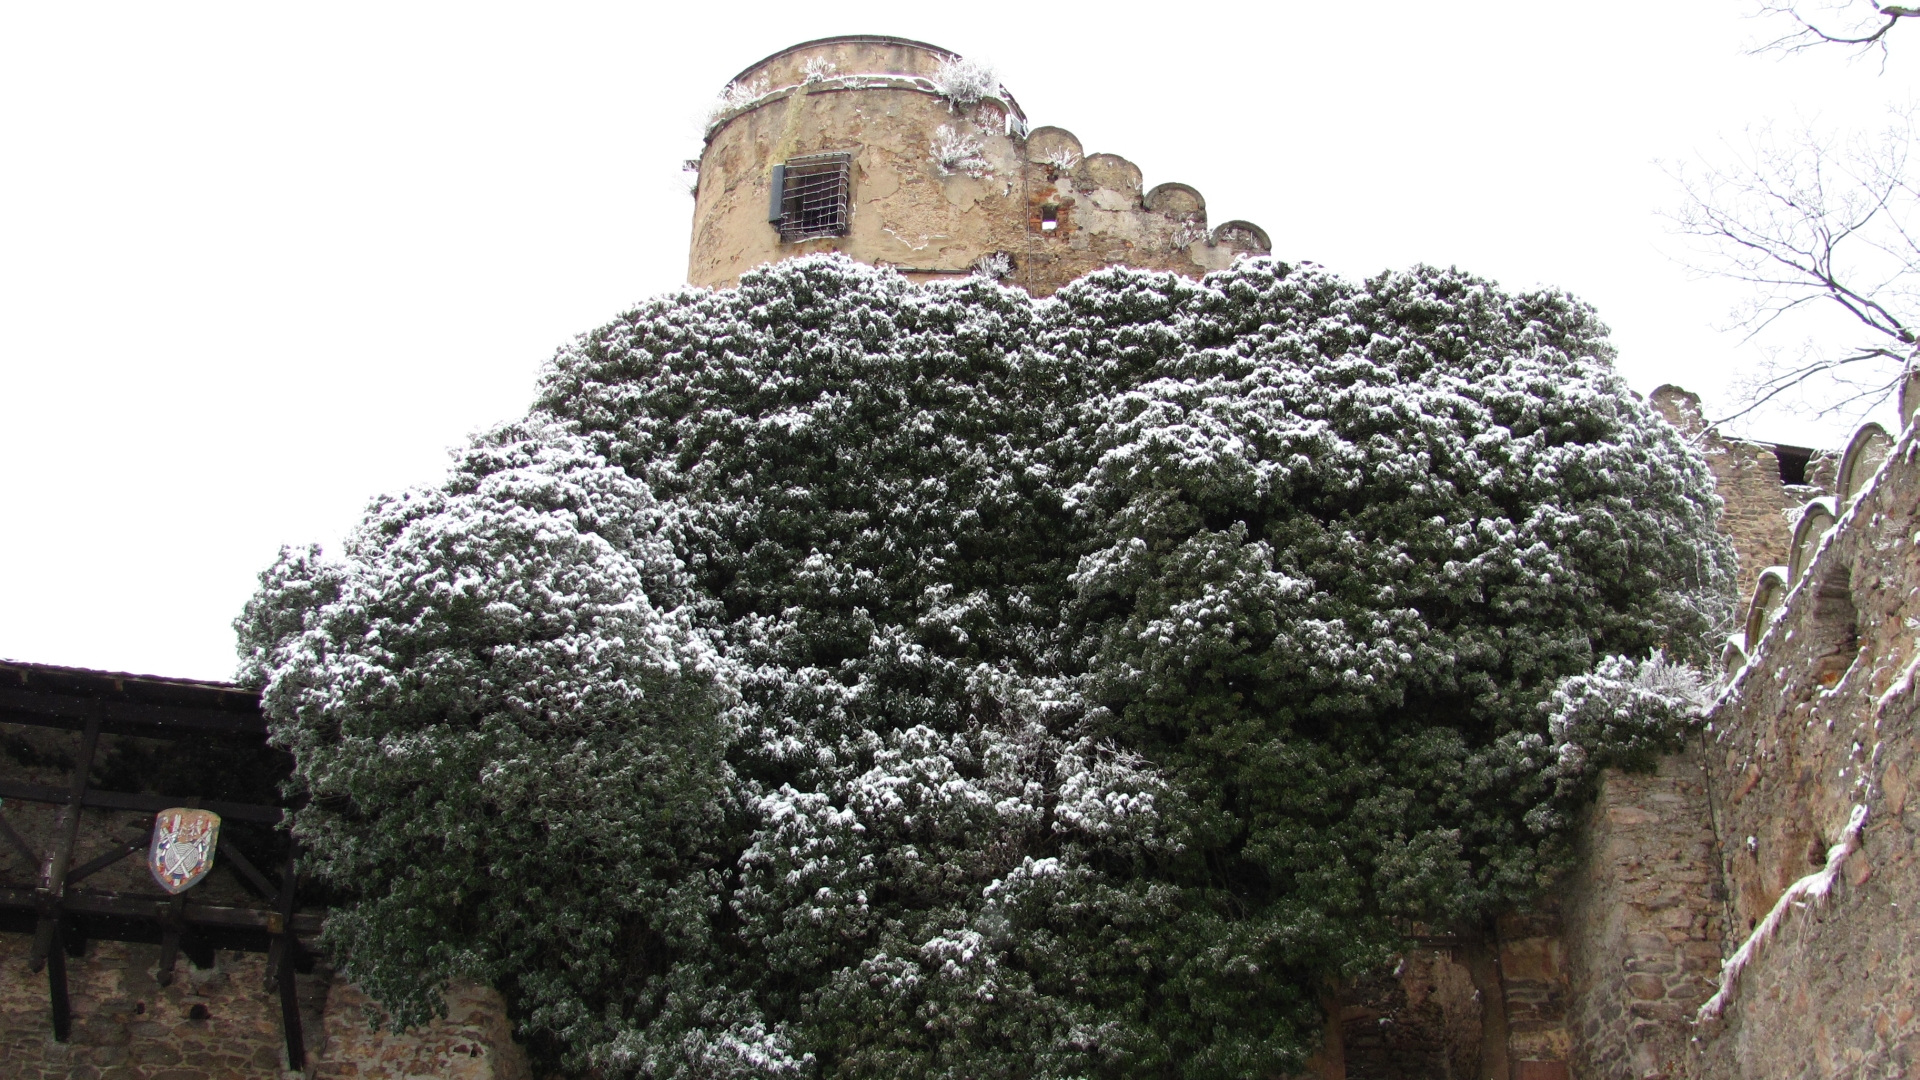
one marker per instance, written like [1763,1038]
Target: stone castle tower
[899,153]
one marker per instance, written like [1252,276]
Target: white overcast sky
[260,262]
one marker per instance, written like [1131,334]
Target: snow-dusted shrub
[1623,713]
[958,152]
[511,738]
[1061,158]
[1105,672]
[965,83]
[818,69]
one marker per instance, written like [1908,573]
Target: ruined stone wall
[1760,508]
[1644,924]
[1823,719]
[1675,868]
[220,1023]
[1680,868]
[1035,198]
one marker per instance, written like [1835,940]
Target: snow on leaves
[893,680]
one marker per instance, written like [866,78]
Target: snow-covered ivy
[840,677]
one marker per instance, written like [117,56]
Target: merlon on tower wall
[934,187]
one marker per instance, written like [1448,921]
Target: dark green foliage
[1011,688]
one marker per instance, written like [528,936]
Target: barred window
[810,196]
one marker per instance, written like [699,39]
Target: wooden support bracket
[75,877]
[247,870]
[53,874]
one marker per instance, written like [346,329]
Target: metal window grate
[813,196]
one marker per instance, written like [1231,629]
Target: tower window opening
[1049,218]
[811,195]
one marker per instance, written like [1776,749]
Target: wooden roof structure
[206,722]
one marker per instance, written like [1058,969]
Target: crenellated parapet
[1763,485]
[1792,950]
[899,153]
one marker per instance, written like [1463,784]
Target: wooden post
[280,962]
[290,1013]
[175,921]
[56,961]
[53,875]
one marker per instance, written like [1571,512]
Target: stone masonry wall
[1680,867]
[215,1023]
[1760,508]
[221,1023]
[1821,720]
[1644,922]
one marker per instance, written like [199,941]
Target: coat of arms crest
[183,845]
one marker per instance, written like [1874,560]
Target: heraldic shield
[183,845]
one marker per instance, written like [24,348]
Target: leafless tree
[1859,24]
[1815,223]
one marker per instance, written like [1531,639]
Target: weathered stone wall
[1760,508]
[220,1023]
[1037,198]
[474,1041]
[1680,867]
[1823,719]
[208,1025]
[1644,921]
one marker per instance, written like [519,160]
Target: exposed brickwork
[1533,971]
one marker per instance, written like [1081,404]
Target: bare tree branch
[1814,224]
[1862,25]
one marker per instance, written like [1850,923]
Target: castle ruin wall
[1682,867]
[1030,208]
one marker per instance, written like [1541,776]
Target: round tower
[903,154]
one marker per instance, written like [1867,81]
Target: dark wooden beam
[290,1014]
[150,908]
[122,800]
[247,870]
[172,923]
[147,719]
[66,830]
[288,946]
[94,866]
